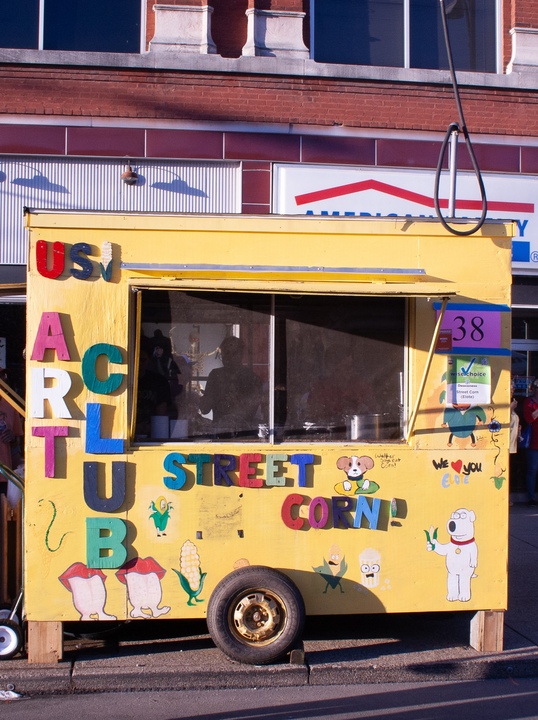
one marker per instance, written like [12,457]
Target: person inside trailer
[232,393]
[153,398]
[164,364]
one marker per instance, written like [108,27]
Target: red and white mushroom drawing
[87,585]
[142,576]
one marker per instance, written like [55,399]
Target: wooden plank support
[45,642]
[487,631]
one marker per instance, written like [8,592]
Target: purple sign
[473,328]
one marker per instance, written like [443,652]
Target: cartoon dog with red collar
[461,553]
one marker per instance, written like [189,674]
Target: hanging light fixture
[129,176]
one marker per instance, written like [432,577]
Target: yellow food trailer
[254,419]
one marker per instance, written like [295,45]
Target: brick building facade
[257,86]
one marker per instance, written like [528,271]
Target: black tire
[256,615]
[11,640]
[101,629]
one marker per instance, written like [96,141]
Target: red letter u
[58,259]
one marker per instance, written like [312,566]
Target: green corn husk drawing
[190,574]
[431,535]
[498,480]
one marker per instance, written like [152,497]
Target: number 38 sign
[472,328]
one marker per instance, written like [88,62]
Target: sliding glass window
[221,366]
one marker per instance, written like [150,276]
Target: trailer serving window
[269,368]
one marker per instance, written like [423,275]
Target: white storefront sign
[369,192]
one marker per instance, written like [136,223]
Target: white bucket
[179,429]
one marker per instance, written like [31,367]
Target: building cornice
[275,66]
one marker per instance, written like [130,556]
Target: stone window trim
[520,77]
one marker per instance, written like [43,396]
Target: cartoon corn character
[161,514]
[190,573]
[333,569]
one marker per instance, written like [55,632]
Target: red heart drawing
[457,465]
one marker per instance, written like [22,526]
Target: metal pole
[412,420]
[453,165]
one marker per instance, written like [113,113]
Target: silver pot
[372,426]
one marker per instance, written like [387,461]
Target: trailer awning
[408,282]
[297,271]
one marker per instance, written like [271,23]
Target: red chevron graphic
[356,187]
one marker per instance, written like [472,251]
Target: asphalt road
[479,700]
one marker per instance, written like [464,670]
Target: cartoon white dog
[355,468]
[461,553]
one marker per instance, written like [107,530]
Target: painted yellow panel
[415,525]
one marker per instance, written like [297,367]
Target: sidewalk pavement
[169,655]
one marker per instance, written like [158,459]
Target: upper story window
[80,25]
[405,33]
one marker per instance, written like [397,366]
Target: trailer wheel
[11,639]
[5,612]
[256,615]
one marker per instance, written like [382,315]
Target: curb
[143,675]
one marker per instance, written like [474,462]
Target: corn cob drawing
[190,573]
[431,535]
[106,261]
